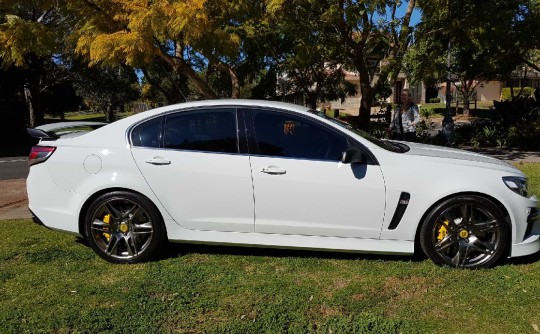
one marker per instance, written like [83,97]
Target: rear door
[300,186]
[193,162]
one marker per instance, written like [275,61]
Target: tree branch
[531,64]
[154,83]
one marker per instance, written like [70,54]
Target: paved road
[13,168]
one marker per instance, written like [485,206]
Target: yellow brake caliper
[106,220]
[443,231]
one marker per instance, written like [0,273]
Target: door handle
[158,161]
[273,170]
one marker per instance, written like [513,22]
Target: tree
[162,86]
[105,89]
[306,65]
[488,39]
[13,137]
[31,32]
[193,37]
[368,35]
[318,81]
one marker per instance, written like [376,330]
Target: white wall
[489,91]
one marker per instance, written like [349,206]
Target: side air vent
[400,210]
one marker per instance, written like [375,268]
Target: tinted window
[147,134]
[291,136]
[203,130]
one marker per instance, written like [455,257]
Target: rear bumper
[36,219]
[51,206]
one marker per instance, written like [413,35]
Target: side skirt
[178,234]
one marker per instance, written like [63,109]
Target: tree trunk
[466,108]
[199,82]
[231,72]
[401,46]
[109,113]
[235,83]
[312,100]
[367,94]
[31,90]
[31,97]
[466,91]
[364,112]
[169,97]
[181,67]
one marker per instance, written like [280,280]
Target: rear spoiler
[56,130]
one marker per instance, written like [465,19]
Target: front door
[196,170]
[300,186]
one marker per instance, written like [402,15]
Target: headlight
[517,184]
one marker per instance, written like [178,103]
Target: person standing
[406,117]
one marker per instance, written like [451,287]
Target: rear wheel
[465,232]
[123,227]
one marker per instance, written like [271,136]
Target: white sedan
[258,173]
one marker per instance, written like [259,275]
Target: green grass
[52,282]
[532,170]
[439,109]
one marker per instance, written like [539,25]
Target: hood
[452,153]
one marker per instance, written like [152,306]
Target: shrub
[435,100]
[426,112]
[506,94]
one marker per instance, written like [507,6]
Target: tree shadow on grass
[522,260]
[170,250]
[173,250]
[506,154]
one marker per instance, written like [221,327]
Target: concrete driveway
[13,198]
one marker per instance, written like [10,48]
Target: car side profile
[260,173]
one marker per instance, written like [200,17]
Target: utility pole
[448,121]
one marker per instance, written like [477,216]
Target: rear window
[212,130]
[147,134]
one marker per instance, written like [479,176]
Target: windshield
[386,144]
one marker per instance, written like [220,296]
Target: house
[421,93]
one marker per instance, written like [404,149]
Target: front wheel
[465,232]
[123,227]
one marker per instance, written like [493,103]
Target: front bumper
[531,239]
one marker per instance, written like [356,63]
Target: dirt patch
[12,191]
[13,199]
[17,210]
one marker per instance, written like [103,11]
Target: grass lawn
[483,108]
[52,282]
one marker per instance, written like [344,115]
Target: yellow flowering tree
[191,37]
[31,32]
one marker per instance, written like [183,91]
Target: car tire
[124,227]
[465,232]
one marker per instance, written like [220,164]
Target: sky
[415,17]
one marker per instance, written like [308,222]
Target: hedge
[505,93]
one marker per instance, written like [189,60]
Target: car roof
[225,102]
[116,133]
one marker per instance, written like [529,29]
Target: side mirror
[353,155]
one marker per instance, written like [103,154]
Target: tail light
[39,154]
